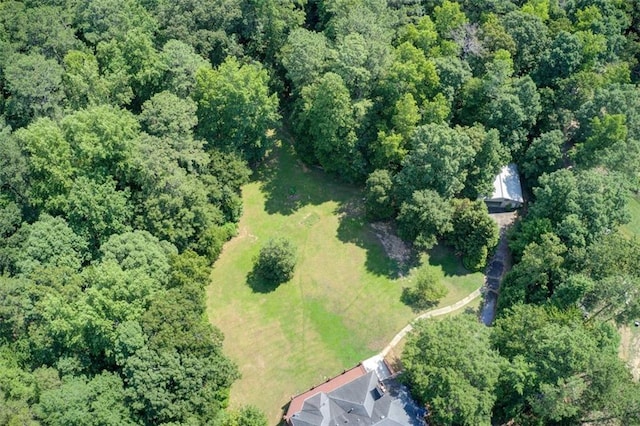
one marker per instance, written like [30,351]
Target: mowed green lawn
[343,303]
[633,227]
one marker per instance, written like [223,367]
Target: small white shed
[507,190]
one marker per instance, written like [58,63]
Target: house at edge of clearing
[354,398]
[507,190]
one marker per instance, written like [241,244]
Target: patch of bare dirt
[395,248]
[505,219]
[629,350]
[244,233]
[303,166]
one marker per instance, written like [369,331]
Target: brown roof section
[297,401]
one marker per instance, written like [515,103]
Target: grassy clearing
[457,279]
[630,335]
[633,227]
[343,303]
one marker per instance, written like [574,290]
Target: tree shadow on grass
[258,284]
[354,228]
[444,257]
[417,305]
[289,185]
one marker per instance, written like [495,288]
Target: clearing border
[342,305]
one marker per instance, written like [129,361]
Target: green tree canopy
[379,202]
[139,250]
[48,242]
[427,289]
[424,218]
[592,200]
[179,64]
[78,400]
[305,57]
[438,161]
[543,155]
[327,123]
[559,370]
[96,211]
[276,261]
[235,108]
[474,233]
[35,86]
[450,366]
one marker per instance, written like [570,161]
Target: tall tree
[438,161]
[82,82]
[48,242]
[424,218]
[105,20]
[266,24]
[305,56]
[326,122]
[560,371]
[531,37]
[78,400]
[535,278]
[474,233]
[207,27]
[179,64]
[96,211]
[379,202]
[543,155]
[595,199]
[235,108]
[450,366]
[103,140]
[490,157]
[35,90]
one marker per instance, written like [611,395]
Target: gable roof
[506,186]
[361,401]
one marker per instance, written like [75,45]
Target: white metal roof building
[507,190]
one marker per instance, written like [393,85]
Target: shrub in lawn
[427,290]
[276,261]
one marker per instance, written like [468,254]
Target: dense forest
[127,128]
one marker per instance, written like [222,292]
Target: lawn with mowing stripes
[343,303]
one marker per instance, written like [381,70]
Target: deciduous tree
[427,289]
[450,366]
[235,108]
[379,202]
[424,218]
[326,122]
[474,233]
[276,261]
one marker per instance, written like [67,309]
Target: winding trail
[430,314]
[497,267]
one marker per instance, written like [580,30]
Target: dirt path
[498,265]
[630,350]
[393,245]
[433,313]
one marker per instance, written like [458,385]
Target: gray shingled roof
[360,402]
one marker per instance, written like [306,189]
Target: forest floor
[342,305]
